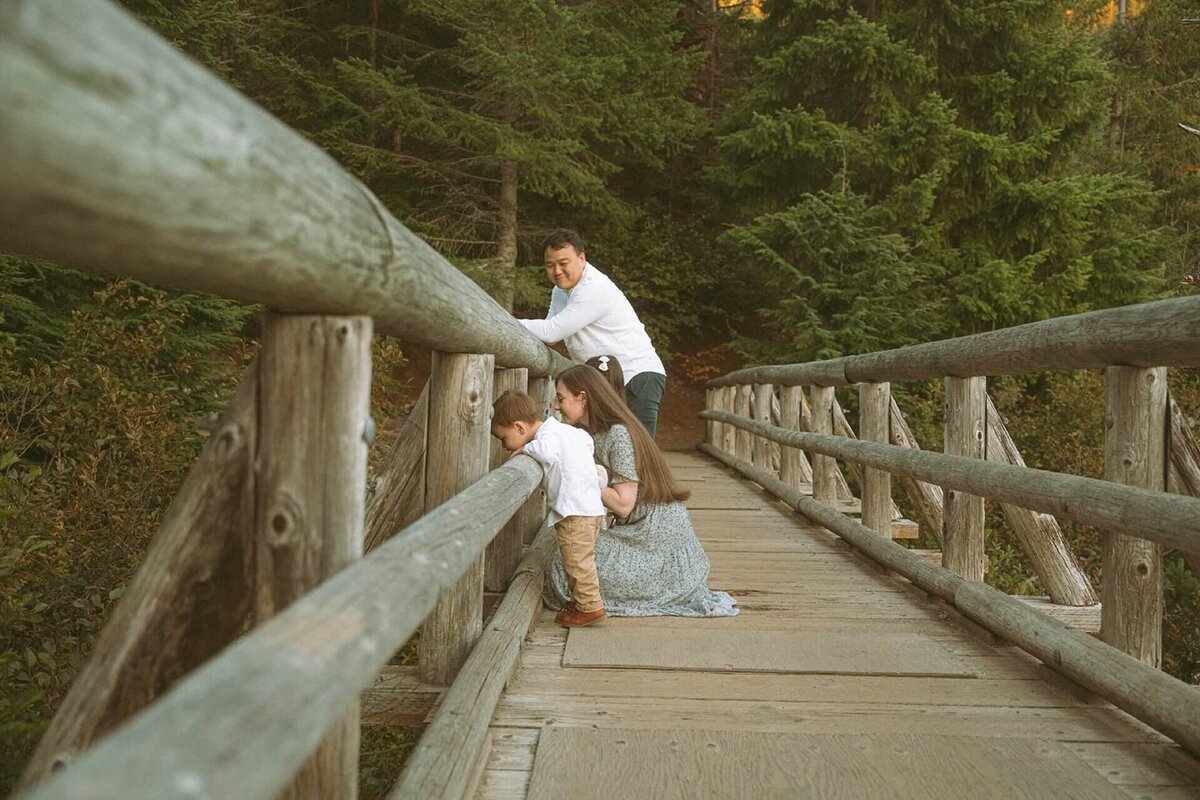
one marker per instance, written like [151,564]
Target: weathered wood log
[242,724]
[1039,534]
[398,499]
[173,177]
[729,406]
[314,402]
[1163,333]
[458,448]
[806,421]
[533,513]
[457,733]
[743,443]
[1135,440]
[504,553]
[1183,466]
[794,468]
[824,467]
[1169,519]
[965,436]
[187,600]
[1161,701]
[874,401]
[841,427]
[761,409]
[927,497]
[709,425]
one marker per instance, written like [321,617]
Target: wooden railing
[123,156]
[1148,500]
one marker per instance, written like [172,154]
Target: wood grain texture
[1135,441]
[171,176]
[877,509]
[242,724]
[842,427]
[504,553]
[457,452]
[1169,519]
[794,468]
[398,497]
[824,467]
[187,600]
[314,399]
[1183,464]
[1163,333]
[743,443]
[1159,700]
[782,651]
[457,733]
[729,406]
[763,394]
[585,763]
[965,437]
[1040,536]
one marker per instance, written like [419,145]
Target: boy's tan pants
[577,541]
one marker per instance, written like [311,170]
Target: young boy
[572,485]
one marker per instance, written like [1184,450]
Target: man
[593,317]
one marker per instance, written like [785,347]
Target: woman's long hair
[606,408]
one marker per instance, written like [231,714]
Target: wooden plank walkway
[924,708]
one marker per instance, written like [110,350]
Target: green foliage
[968,133]
[97,412]
[841,282]
[1181,609]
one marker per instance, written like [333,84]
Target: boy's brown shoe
[570,606]
[574,618]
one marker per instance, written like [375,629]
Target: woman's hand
[620,499]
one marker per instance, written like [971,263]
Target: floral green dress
[649,563]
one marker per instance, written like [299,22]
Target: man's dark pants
[644,394]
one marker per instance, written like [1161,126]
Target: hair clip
[603,365]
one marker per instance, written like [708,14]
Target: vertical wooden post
[874,401]
[966,423]
[743,440]
[825,468]
[761,411]
[457,436]
[502,556]
[710,427]
[533,513]
[314,396]
[794,469]
[1135,437]
[728,432]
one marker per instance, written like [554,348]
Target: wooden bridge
[857,668]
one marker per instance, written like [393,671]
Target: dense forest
[784,180]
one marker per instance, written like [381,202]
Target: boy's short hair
[513,407]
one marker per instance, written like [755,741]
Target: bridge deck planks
[791,575]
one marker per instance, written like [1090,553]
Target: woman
[650,562]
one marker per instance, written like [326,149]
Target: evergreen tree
[966,130]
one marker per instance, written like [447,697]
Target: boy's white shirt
[570,481]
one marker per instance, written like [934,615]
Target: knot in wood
[283,522]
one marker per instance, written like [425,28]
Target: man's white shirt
[595,318]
